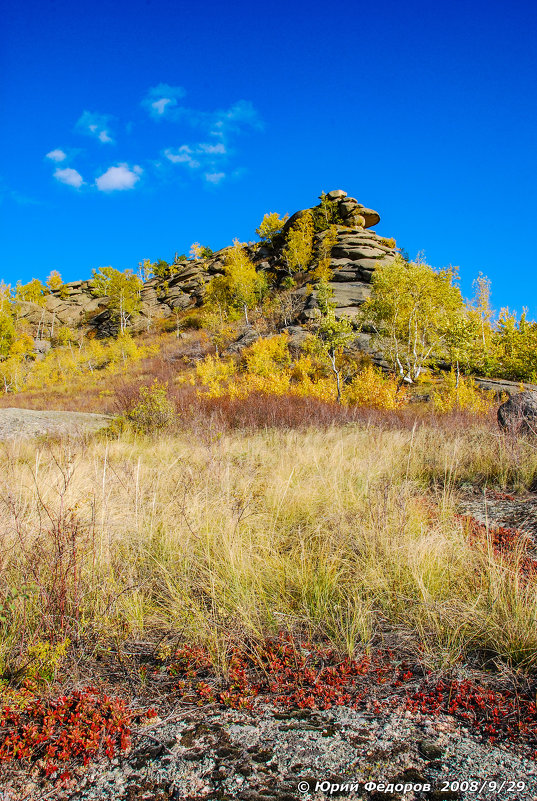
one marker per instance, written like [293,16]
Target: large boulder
[518,415]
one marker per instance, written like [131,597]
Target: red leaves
[506,543]
[69,727]
[498,714]
[285,674]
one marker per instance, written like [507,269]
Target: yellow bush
[372,388]
[212,372]
[464,395]
[45,658]
[154,411]
[22,346]
[268,355]
[65,363]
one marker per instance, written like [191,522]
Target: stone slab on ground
[23,423]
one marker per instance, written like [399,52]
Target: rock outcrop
[518,415]
[357,252]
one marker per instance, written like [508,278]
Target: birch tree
[413,309]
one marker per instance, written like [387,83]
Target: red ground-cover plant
[77,726]
[498,715]
[506,543]
[285,674]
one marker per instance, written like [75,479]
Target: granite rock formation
[357,252]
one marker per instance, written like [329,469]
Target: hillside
[261,536]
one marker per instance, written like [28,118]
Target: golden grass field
[348,532]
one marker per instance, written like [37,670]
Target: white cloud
[214,177]
[118,178]
[234,119]
[160,99]
[97,125]
[69,176]
[56,155]
[183,155]
[213,150]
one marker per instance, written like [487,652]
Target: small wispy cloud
[182,155]
[161,101]
[213,150]
[214,177]
[97,125]
[241,114]
[118,178]
[69,176]
[56,155]
[162,98]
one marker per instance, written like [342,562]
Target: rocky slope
[354,257]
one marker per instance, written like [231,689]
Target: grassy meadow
[345,531]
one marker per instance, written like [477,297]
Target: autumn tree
[7,326]
[412,309]
[240,289]
[270,226]
[198,251]
[326,214]
[34,292]
[332,334]
[514,347]
[298,250]
[122,290]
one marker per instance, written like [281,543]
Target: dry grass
[226,535]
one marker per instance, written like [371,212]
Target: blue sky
[131,130]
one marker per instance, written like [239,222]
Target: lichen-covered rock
[518,415]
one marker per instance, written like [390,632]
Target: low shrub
[154,410]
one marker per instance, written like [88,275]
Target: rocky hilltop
[353,258]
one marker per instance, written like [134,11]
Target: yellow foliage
[329,239]
[62,365]
[64,335]
[267,355]
[22,346]
[372,388]
[154,410]
[45,659]
[212,372]
[54,281]
[463,395]
[298,249]
[271,225]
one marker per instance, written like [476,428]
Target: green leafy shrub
[154,410]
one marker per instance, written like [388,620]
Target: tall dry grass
[344,532]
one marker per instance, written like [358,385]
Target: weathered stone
[179,301]
[335,194]
[344,275]
[518,415]
[248,337]
[347,207]
[354,252]
[352,294]
[22,423]
[371,217]
[310,314]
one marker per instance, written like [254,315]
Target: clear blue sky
[131,130]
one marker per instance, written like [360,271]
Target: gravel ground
[281,757]
[18,423]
